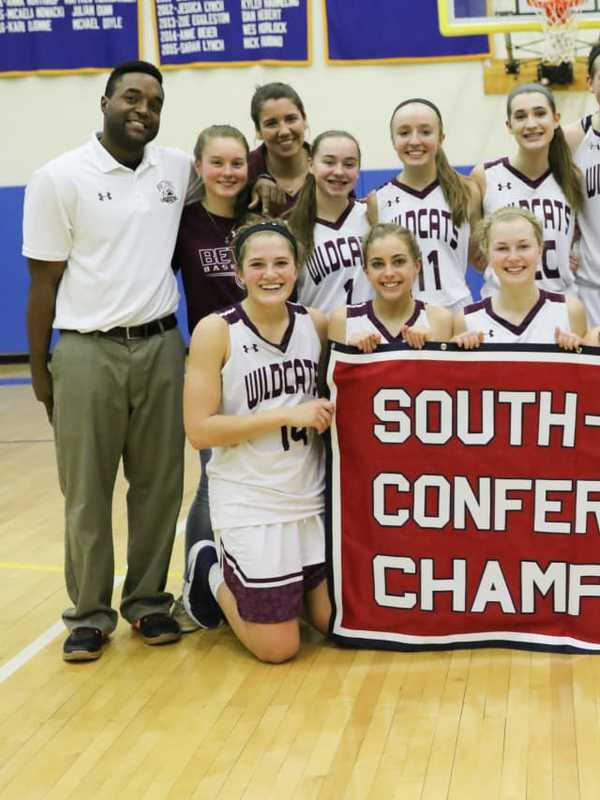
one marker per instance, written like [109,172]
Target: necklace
[222,231]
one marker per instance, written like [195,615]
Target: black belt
[140,331]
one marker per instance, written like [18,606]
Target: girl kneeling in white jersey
[432,200]
[330,225]
[251,394]
[520,312]
[392,264]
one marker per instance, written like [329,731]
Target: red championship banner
[464,498]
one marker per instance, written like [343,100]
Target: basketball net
[559,24]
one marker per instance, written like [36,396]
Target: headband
[421,100]
[264,227]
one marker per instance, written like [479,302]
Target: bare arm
[477,185]
[577,316]
[440,323]
[44,280]
[336,330]
[372,210]
[204,425]
[574,134]
[467,340]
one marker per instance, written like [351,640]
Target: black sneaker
[83,644]
[158,629]
[198,599]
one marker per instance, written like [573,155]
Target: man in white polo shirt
[100,225]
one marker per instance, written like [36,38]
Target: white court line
[54,631]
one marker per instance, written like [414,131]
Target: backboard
[465,17]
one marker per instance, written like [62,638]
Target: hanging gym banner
[216,33]
[381,31]
[464,498]
[61,36]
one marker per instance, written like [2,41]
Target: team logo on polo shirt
[166,191]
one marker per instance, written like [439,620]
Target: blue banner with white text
[66,35]
[220,32]
[394,30]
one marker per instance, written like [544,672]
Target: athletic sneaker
[183,619]
[157,628]
[198,599]
[83,644]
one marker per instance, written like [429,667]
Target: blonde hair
[383,229]
[483,230]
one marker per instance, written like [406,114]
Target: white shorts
[269,568]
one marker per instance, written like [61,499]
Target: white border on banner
[491,637]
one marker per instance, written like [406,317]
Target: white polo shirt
[116,228]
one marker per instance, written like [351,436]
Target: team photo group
[278,256]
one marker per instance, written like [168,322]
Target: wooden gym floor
[203,719]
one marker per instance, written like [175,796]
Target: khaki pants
[116,399]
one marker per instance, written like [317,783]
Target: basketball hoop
[559,23]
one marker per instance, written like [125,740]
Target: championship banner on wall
[216,33]
[381,31]
[464,498]
[55,36]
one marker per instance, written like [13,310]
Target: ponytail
[566,173]
[455,189]
[303,215]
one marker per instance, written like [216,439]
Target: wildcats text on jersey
[292,376]
[461,514]
[428,223]
[336,254]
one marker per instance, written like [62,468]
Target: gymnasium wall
[43,116]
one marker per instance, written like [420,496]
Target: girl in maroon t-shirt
[203,255]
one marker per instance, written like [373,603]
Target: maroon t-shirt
[204,258]
[257,165]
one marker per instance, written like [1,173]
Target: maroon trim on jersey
[517,330]
[231,314]
[419,306]
[340,220]
[590,117]
[420,193]
[356,309]
[533,184]
[292,309]
[488,164]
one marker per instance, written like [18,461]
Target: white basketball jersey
[587,159]
[538,327]
[445,248]
[360,318]
[279,476]
[333,274]
[506,186]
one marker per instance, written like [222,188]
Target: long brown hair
[454,186]
[563,168]
[303,215]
